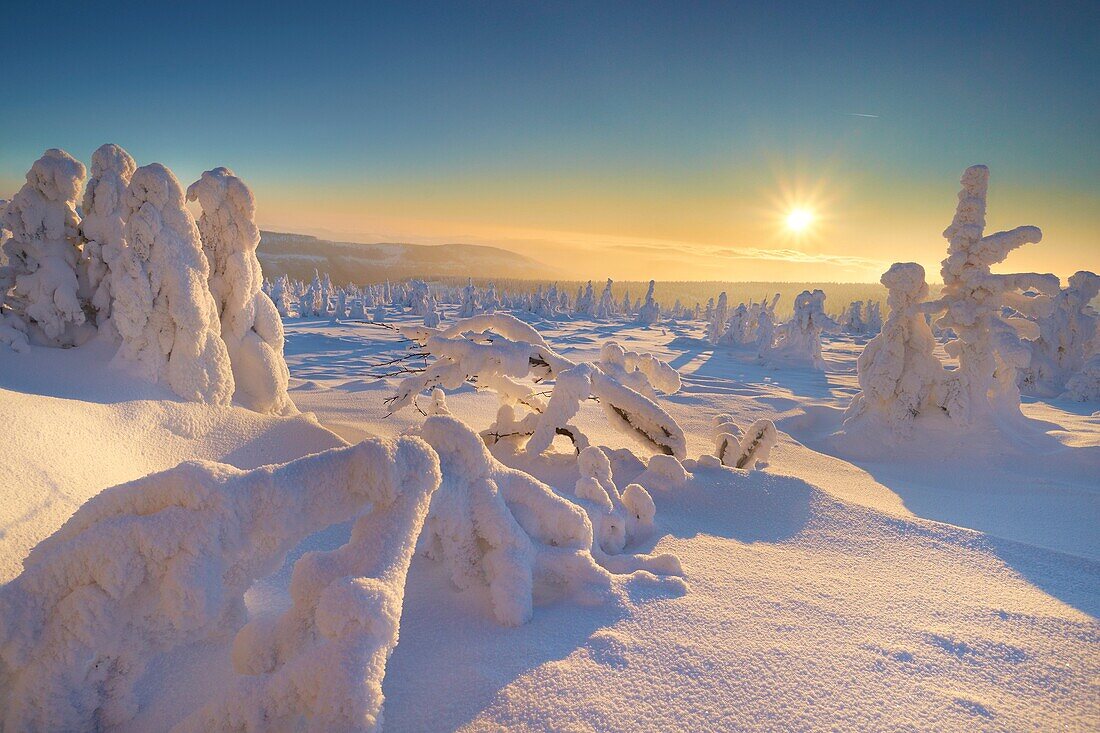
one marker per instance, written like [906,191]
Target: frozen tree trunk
[250,324]
[163,308]
[103,227]
[42,252]
[163,561]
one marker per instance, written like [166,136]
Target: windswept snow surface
[932,583]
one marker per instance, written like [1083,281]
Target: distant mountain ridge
[298,255]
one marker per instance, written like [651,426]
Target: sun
[799,220]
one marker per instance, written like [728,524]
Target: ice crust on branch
[44,300]
[165,560]
[163,308]
[103,226]
[250,324]
[899,375]
[499,527]
[496,351]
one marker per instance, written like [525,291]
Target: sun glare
[798,220]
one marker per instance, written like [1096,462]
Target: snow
[931,582]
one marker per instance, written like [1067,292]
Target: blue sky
[670,122]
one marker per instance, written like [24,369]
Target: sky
[633,140]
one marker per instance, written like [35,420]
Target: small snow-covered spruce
[716,324]
[605,309]
[988,347]
[650,311]
[280,295]
[746,449]
[799,340]
[44,299]
[499,527]
[163,308]
[103,226]
[1069,335]
[250,324]
[495,351]
[468,306]
[165,560]
[898,373]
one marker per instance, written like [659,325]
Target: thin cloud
[861,114]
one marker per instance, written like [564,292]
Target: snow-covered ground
[937,584]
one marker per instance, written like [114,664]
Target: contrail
[860,114]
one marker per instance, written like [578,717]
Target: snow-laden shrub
[799,340]
[103,226]
[899,375]
[495,351]
[746,449]
[1069,335]
[44,301]
[163,308]
[988,346]
[650,311]
[499,527]
[250,324]
[165,560]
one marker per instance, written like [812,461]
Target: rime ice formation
[165,560]
[163,309]
[499,527]
[605,309]
[746,449]
[280,295]
[44,300]
[650,310]
[988,347]
[1069,336]
[899,375]
[800,338]
[497,350]
[250,324]
[103,226]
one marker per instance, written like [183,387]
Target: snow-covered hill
[298,255]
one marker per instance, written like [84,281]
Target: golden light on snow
[799,220]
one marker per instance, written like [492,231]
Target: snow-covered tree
[800,338]
[1069,335]
[851,322]
[495,351]
[765,327]
[874,317]
[102,227]
[163,308]
[625,307]
[280,295]
[899,375]
[716,325]
[146,567]
[341,311]
[468,306]
[650,311]
[43,299]
[605,309]
[988,347]
[250,324]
